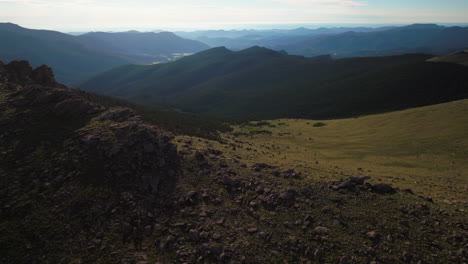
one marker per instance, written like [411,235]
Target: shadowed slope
[261,83]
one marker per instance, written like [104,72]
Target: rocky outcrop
[21,72]
[112,147]
[120,114]
[3,74]
[129,154]
[355,183]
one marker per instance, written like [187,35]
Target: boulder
[353,182]
[288,195]
[383,188]
[343,260]
[74,107]
[373,235]
[194,235]
[119,114]
[321,230]
[43,75]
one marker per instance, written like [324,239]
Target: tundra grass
[424,149]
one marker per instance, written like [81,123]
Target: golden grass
[424,149]
[457,57]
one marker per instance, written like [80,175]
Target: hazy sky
[77,15]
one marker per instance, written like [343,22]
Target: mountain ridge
[427,38]
[147,42]
[76,58]
[265,84]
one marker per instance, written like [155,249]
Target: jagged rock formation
[21,73]
[129,152]
[68,165]
[113,147]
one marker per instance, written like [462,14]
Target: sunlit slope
[460,57]
[425,149]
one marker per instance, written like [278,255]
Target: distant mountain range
[262,84]
[242,39]
[75,58]
[343,42]
[145,43]
[431,39]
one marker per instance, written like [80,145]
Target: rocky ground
[82,183]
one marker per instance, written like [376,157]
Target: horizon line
[252,26]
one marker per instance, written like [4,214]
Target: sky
[94,15]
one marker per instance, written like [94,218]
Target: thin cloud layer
[321,2]
[184,14]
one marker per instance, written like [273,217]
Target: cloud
[289,2]
[151,14]
[48,3]
[322,2]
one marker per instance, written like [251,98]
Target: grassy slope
[262,84]
[457,57]
[424,149]
[287,87]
